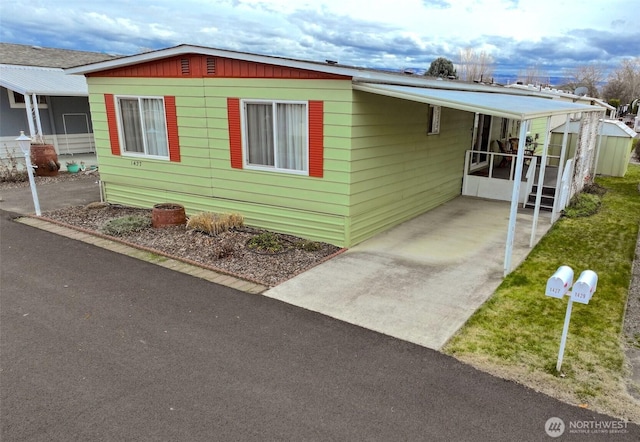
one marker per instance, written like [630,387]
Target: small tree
[441,67]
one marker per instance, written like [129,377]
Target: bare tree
[475,65]
[624,82]
[589,76]
[533,75]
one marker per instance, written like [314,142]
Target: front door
[481,141]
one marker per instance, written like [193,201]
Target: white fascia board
[464,106]
[550,108]
[189,49]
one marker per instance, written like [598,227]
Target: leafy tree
[441,67]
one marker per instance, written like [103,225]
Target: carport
[421,280]
[522,106]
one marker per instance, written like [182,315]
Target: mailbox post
[558,286]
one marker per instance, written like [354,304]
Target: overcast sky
[553,35]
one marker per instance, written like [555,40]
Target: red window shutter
[235,132]
[172,128]
[112,123]
[316,138]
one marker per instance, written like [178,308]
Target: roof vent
[184,66]
[211,66]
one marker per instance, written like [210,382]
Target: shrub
[9,172]
[126,224]
[635,145]
[595,189]
[213,223]
[308,246]
[583,204]
[266,242]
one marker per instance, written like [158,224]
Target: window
[276,135]
[16,100]
[433,119]
[142,126]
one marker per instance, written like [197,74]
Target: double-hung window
[276,135]
[143,127]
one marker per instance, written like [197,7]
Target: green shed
[615,145]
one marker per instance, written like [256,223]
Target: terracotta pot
[167,215]
[45,157]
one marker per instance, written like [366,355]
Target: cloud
[407,33]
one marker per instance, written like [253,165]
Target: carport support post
[543,165]
[511,232]
[561,166]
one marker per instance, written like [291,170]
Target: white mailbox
[584,287]
[560,283]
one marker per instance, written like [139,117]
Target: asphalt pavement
[100,346]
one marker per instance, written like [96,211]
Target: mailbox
[560,283]
[584,287]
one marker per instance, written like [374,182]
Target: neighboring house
[613,147]
[36,96]
[318,150]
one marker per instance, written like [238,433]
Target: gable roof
[27,55]
[490,99]
[41,81]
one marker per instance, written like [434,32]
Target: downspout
[561,165]
[511,231]
[543,166]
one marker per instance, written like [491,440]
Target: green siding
[380,166]
[397,170]
[314,208]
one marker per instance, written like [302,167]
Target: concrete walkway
[421,280]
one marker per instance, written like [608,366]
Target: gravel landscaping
[226,251]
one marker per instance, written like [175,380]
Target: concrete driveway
[421,280]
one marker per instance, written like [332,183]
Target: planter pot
[45,157]
[167,215]
[73,168]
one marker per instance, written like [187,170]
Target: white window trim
[434,124]
[123,151]
[16,105]
[245,147]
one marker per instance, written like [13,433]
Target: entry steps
[546,200]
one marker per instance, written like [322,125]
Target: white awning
[42,81]
[499,104]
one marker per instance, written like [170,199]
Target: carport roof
[42,81]
[499,104]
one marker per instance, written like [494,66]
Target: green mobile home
[318,150]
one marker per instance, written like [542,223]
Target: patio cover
[498,103]
[29,80]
